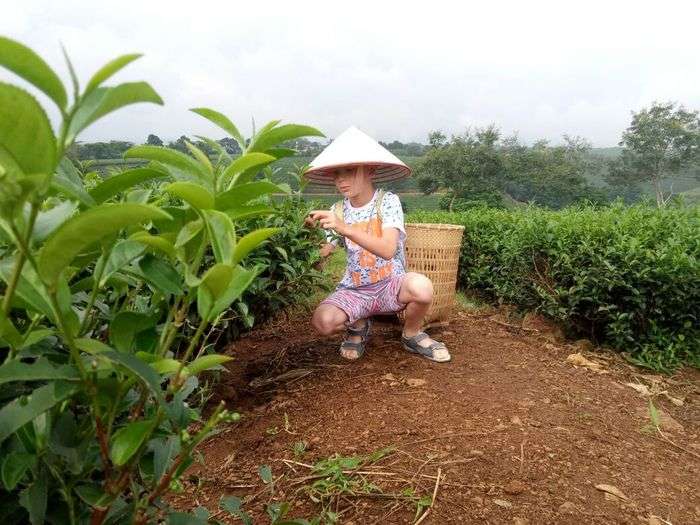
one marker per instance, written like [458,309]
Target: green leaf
[104,100]
[35,336]
[280,153]
[9,333]
[200,156]
[29,288]
[39,370]
[245,162]
[188,232]
[34,499]
[185,518]
[221,235]
[166,366]
[241,194]
[48,221]
[248,211]
[168,157]
[158,242]
[16,414]
[223,122]
[206,362]
[25,63]
[122,254]
[126,325]
[239,283]
[213,285]
[272,137]
[69,182]
[14,467]
[164,450]
[251,241]
[27,144]
[127,440]
[218,148]
[161,274]
[123,181]
[90,226]
[265,473]
[232,505]
[92,346]
[137,368]
[93,495]
[108,70]
[192,193]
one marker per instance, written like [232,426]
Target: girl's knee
[419,287]
[325,321]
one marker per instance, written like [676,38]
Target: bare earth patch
[513,430]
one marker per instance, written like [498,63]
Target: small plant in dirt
[299,448]
[107,296]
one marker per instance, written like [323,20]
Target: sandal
[412,345]
[357,347]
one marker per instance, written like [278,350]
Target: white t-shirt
[363,267]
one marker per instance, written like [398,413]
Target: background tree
[154,140]
[552,176]
[658,144]
[466,166]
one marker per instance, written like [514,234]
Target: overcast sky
[395,69]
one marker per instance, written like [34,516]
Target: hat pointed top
[353,147]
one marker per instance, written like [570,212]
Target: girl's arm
[384,246]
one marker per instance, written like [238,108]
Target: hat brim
[383,172]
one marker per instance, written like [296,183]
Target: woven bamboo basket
[433,250]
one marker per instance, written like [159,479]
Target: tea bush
[290,275]
[107,292]
[625,276]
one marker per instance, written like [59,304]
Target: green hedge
[625,276]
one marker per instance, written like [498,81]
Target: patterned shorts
[364,301]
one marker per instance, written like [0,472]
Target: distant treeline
[659,156]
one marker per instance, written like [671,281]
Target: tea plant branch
[163,484]
[24,254]
[67,336]
[97,277]
[102,439]
[176,381]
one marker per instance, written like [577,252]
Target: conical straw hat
[355,148]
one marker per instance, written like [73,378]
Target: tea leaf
[223,122]
[127,440]
[31,67]
[81,231]
[123,181]
[267,138]
[27,144]
[251,241]
[15,415]
[221,235]
[169,157]
[206,362]
[109,69]
[193,194]
[104,100]
[39,370]
[243,193]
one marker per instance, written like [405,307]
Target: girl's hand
[326,250]
[328,221]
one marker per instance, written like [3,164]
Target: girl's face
[351,181]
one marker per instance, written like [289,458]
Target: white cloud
[397,70]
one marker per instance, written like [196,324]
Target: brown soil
[518,433]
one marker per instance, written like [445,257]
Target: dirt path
[516,433]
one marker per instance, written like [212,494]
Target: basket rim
[435,226]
